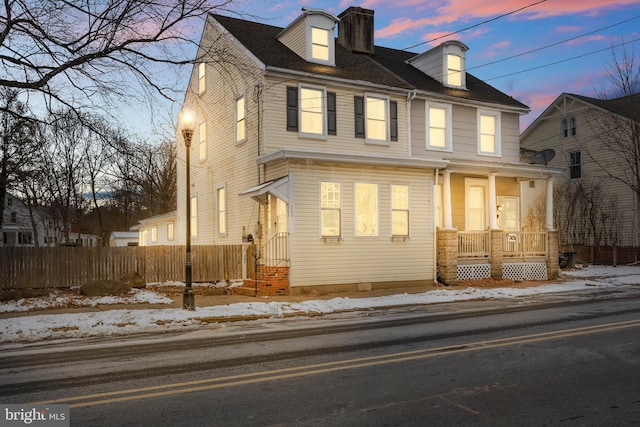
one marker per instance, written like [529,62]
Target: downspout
[435,227]
[410,97]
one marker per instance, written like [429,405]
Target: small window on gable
[454,70]
[489,139]
[320,44]
[241,129]
[564,128]
[202,82]
[572,126]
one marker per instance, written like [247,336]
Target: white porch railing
[473,244]
[524,243]
[477,244]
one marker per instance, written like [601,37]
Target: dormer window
[445,63]
[454,70]
[315,27]
[319,44]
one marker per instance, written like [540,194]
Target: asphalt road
[569,364]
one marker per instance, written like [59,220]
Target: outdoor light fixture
[187,119]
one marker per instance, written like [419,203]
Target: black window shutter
[359,115]
[331,113]
[393,116]
[292,108]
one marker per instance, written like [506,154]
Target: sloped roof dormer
[311,36]
[445,63]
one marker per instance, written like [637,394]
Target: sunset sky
[576,36]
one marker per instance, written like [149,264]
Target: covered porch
[496,225]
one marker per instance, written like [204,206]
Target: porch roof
[277,187]
[517,170]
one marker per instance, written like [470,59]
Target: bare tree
[83,53]
[16,142]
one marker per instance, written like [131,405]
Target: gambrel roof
[386,67]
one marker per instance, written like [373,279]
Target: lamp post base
[188,300]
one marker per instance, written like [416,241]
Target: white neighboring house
[82,240]
[157,230]
[17,228]
[123,238]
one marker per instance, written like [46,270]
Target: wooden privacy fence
[63,267]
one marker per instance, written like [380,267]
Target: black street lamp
[187,119]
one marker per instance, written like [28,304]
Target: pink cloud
[465,10]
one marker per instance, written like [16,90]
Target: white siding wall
[360,259]
[465,136]
[227,163]
[295,38]
[277,136]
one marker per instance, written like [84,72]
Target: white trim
[475,182]
[341,208]
[323,134]
[448,143]
[391,185]
[218,187]
[244,117]
[355,210]
[498,132]
[387,120]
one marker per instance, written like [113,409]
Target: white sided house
[595,141]
[158,230]
[355,166]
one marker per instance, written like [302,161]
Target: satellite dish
[543,157]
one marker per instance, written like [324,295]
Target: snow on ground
[126,321]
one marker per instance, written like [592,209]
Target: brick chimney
[355,30]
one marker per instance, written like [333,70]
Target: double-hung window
[366,209]
[221,203]
[575,165]
[202,139]
[454,70]
[376,119]
[399,210]
[489,139]
[202,82]
[311,111]
[319,44]
[194,217]
[439,135]
[330,211]
[154,234]
[170,231]
[241,129]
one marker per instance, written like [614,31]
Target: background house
[22,226]
[354,166]
[124,238]
[157,230]
[596,141]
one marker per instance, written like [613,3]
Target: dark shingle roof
[626,106]
[385,67]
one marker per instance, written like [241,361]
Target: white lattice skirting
[525,271]
[473,271]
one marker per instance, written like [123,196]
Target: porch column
[550,204]
[493,214]
[446,201]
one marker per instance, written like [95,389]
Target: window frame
[221,211]
[202,78]
[497,136]
[375,215]
[194,216]
[472,183]
[154,234]
[368,119]
[396,209]
[241,119]
[448,129]
[574,166]
[171,231]
[202,140]
[322,209]
[453,72]
[323,111]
